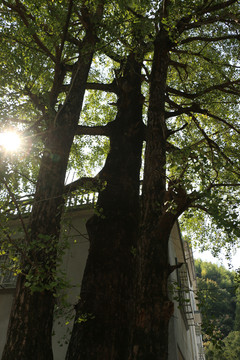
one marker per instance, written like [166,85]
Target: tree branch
[139,16]
[209,39]
[92,130]
[200,207]
[18,209]
[171,268]
[96,86]
[206,9]
[108,51]
[73,40]
[224,185]
[86,183]
[180,110]
[21,11]
[221,87]
[103,87]
[199,54]
[176,64]
[171,132]
[221,120]
[18,248]
[186,24]
[36,100]
[211,143]
[35,125]
[65,30]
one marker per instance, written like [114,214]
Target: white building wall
[6,298]
[183,341]
[73,263]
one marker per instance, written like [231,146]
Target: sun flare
[10,141]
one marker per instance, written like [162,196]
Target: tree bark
[103,315]
[154,309]
[30,327]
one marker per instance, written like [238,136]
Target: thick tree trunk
[154,309]
[29,337]
[101,328]
[30,326]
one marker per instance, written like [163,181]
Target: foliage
[230,349]
[217,289]
[204,156]
[45,45]
[237,314]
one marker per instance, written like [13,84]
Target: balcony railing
[72,201]
[23,208]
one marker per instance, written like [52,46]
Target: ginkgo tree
[158,75]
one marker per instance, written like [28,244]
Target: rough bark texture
[30,327]
[154,309]
[107,288]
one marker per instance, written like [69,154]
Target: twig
[17,207]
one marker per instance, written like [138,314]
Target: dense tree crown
[218,294]
[150,89]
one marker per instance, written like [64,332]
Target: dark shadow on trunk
[153,307]
[107,289]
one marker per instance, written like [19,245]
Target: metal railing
[184,296]
[23,207]
[72,201]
